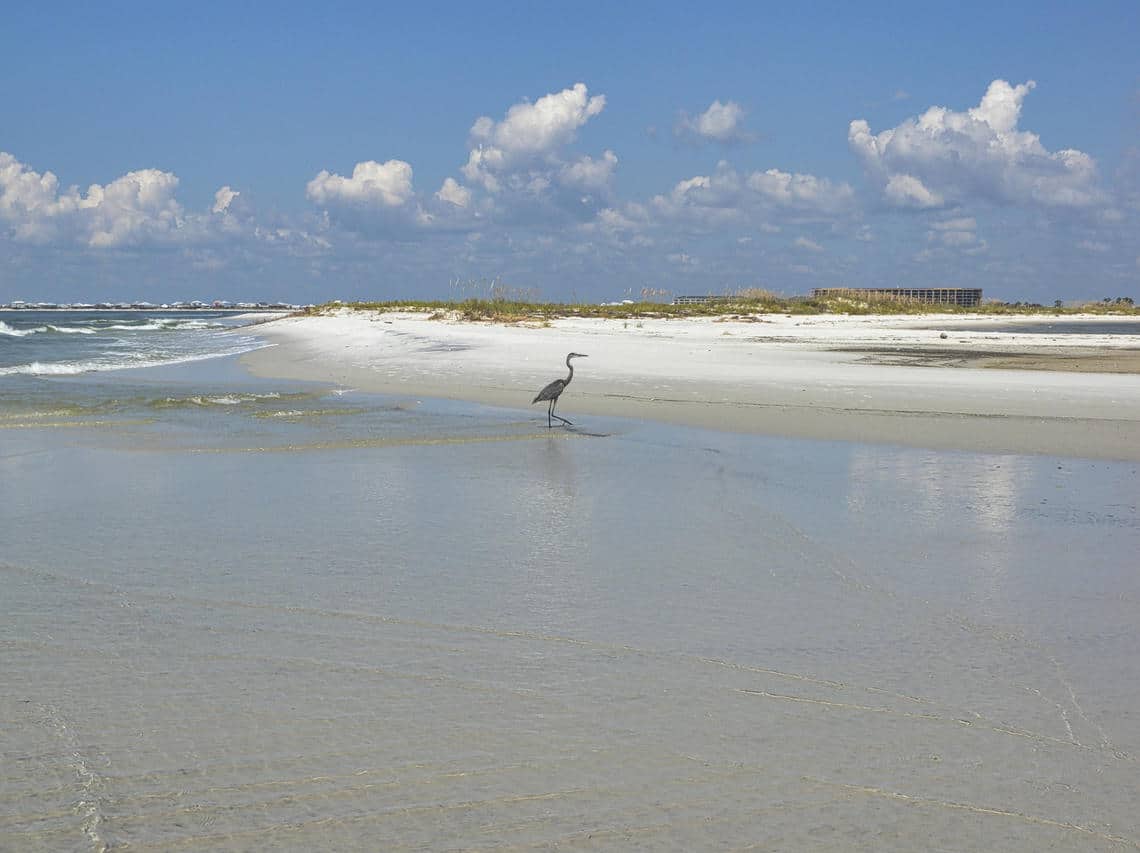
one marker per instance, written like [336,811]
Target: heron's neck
[571,376]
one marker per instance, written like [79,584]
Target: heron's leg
[559,417]
[549,414]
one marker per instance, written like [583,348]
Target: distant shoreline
[93,309]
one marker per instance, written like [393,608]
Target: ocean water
[63,343]
[250,615]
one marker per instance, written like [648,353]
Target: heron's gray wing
[550,391]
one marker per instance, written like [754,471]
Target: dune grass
[744,303]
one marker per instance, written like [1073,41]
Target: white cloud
[223,199]
[542,126]
[133,207]
[957,233]
[136,208]
[631,218]
[454,193]
[529,134]
[807,245]
[517,172]
[588,173]
[760,200]
[944,157]
[372,184]
[909,191]
[799,191]
[719,123]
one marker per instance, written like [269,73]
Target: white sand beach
[938,381]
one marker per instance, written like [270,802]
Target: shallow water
[1122,328]
[242,615]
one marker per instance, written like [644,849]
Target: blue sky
[570,151]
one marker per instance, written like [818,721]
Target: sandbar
[893,379]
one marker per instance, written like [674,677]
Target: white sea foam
[232,399]
[7,330]
[73,368]
[72,330]
[193,324]
[137,327]
[163,324]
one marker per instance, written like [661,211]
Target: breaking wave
[71,343]
[74,368]
[8,331]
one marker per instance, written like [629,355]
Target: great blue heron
[554,390]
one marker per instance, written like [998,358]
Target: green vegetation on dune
[748,303]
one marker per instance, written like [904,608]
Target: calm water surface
[245,615]
[1060,327]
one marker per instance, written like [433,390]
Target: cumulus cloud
[957,230]
[801,192]
[537,128]
[909,191]
[719,123]
[530,134]
[588,173]
[381,184]
[454,193]
[517,171]
[727,197]
[134,209]
[807,245]
[950,237]
[223,198]
[945,157]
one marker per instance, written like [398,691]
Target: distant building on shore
[699,300]
[966,297]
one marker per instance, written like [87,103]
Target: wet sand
[863,379]
[1067,359]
